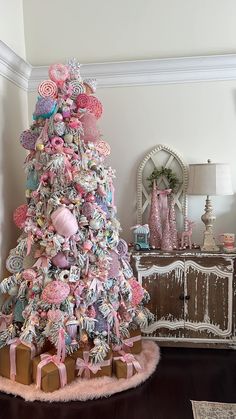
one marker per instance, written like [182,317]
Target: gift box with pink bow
[87,369]
[16,361]
[51,373]
[126,365]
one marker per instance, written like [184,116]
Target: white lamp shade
[209,179]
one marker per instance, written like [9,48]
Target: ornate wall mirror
[162,156]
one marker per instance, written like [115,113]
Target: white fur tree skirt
[82,389]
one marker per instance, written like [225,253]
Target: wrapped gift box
[86,369]
[133,344]
[126,365]
[23,362]
[49,374]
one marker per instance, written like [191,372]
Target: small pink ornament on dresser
[64,222]
[186,236]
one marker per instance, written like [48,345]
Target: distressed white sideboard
[193,297]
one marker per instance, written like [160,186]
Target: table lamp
[209,179]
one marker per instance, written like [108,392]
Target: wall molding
[126,73]
[14,68]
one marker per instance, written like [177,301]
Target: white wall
[109,30]
[12,25]
[13,120]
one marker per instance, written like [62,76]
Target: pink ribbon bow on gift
[46,359]
[85,366]
[13,344]
[130,341]
[131,362]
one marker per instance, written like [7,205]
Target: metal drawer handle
[183,297]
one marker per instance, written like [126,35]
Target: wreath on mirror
[170,176]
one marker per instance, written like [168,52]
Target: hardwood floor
[182,375]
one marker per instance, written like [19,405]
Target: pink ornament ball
[91,132]
[20,215]
[58,117]
[60,260]
[64,222]
[55,292]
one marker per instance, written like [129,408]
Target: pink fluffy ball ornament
[55,292]
[137,292]
[114,265]
[20,215]
[64,222]
[91,132]
[60,260]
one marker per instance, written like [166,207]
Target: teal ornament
[32,182]
[45,107]
[18,309]
[36,289]
[68,340]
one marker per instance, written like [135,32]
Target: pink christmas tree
[155,223]
[70,271]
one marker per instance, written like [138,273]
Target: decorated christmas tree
[71,284]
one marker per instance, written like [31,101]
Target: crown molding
[13,67]
[126,73]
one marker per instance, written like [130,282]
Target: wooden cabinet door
[163,278]
[209,292]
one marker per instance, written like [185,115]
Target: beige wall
[109,30]
[12,25]
[13,120]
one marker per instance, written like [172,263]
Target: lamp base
[209,244]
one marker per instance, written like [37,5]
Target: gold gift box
[137,342]
[120,368]
[50,378]
[106,370]
[23,363]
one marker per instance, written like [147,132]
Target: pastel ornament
[55,292]
[28,139]
[90,131]
[60,260]
[76,88]
[20,215]
[14,263]
[45,107]
[95,106]
[59,73]
[90,85]
[64,222]
[48,88]
[103,148]
[82,101]
[58,117]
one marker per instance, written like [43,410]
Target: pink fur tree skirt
[82,389]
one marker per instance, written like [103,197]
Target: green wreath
[167,173]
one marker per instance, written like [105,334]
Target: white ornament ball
[13,291]
[97,341]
